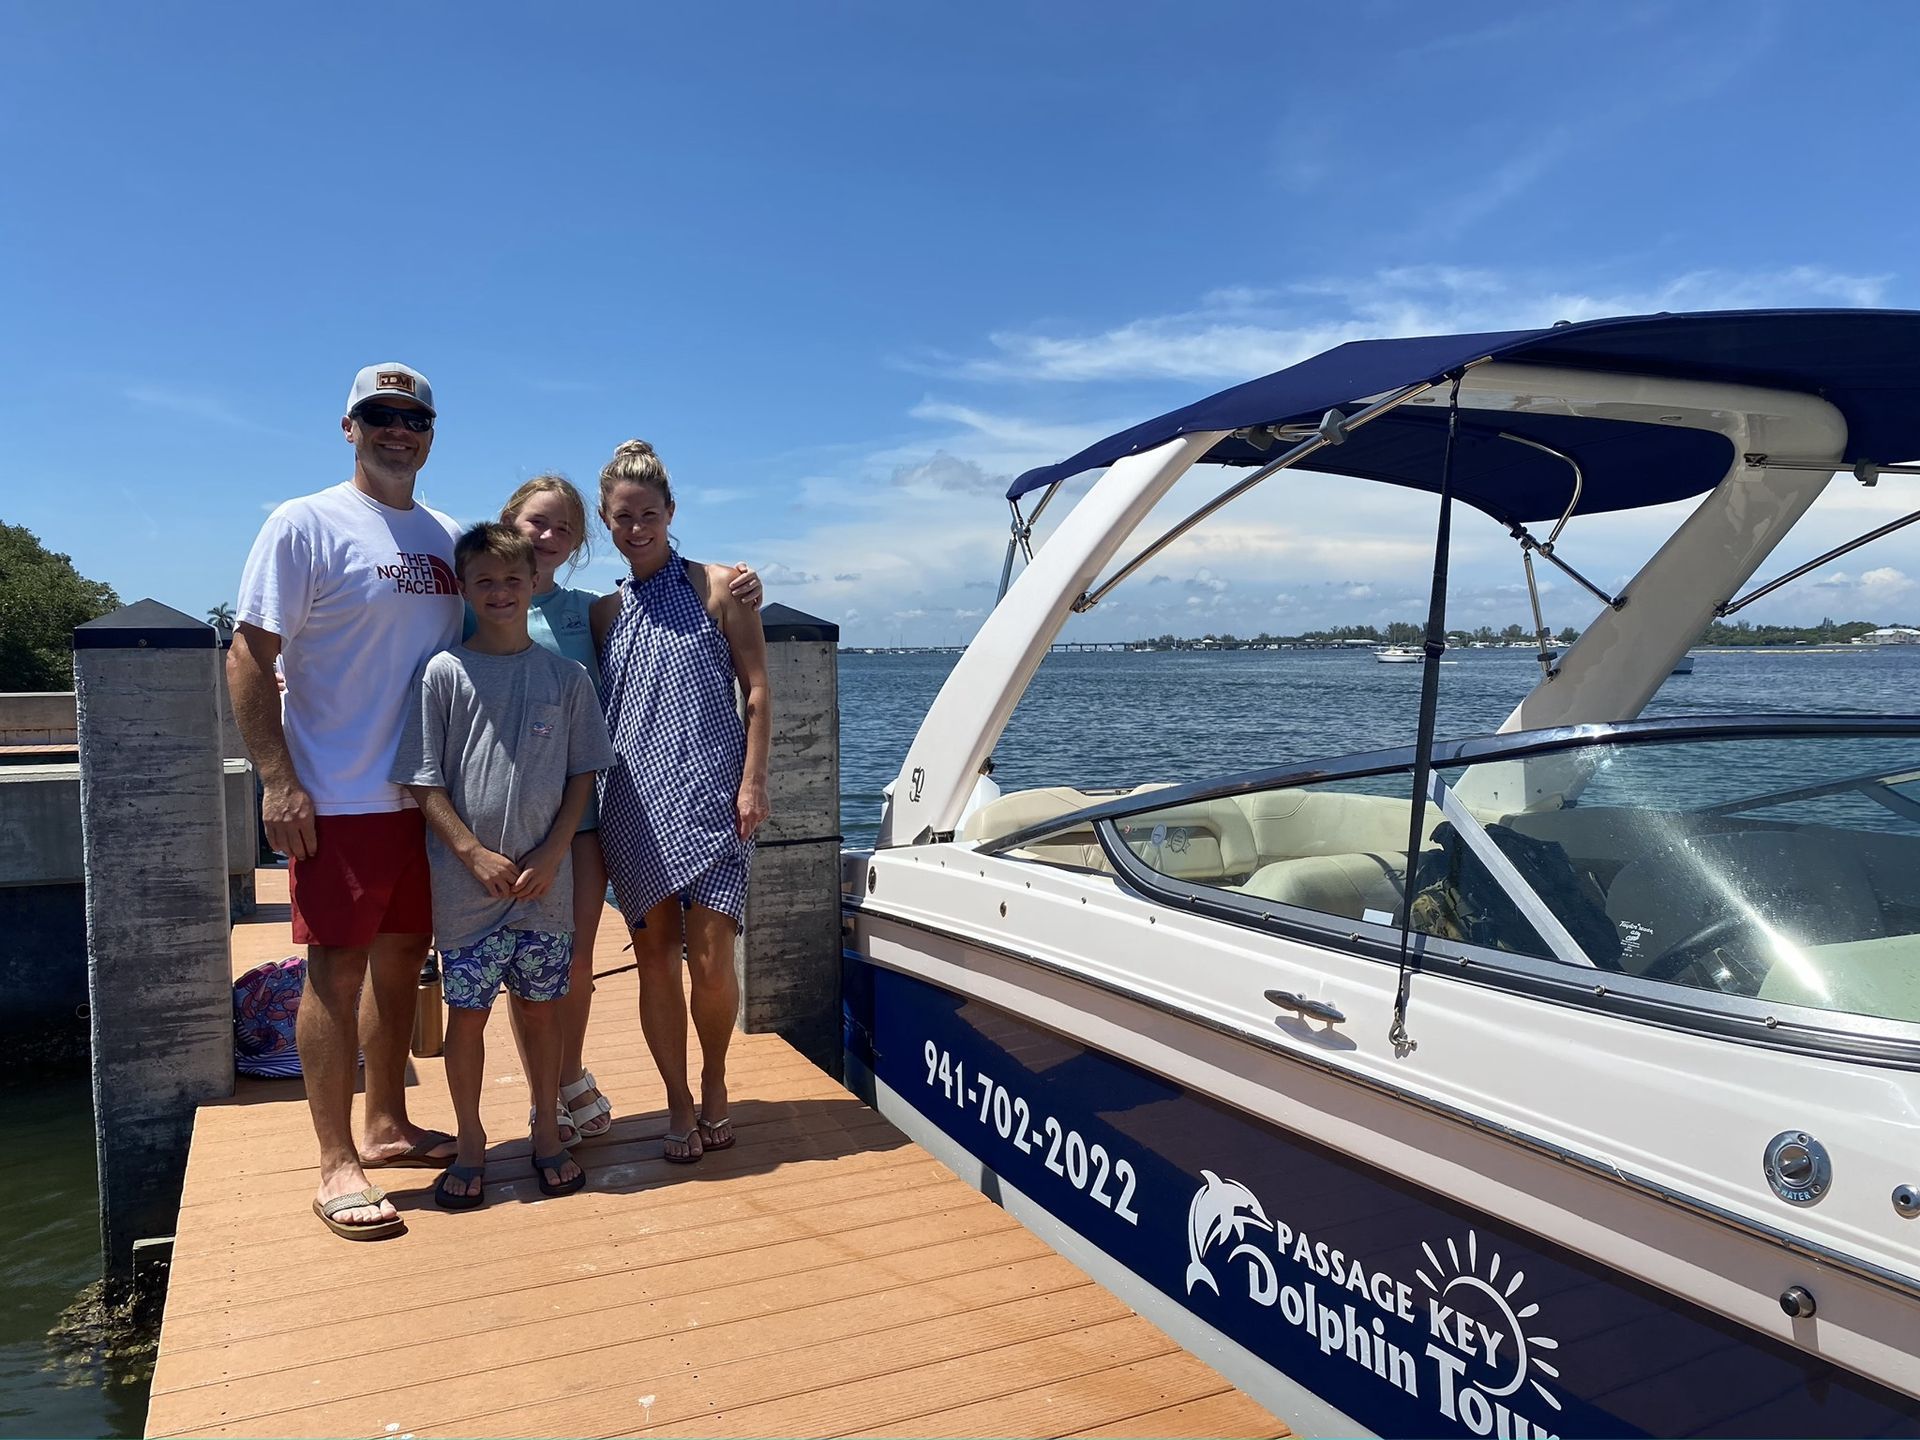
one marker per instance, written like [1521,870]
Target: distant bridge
[1065,647]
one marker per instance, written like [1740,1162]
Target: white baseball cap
[391,381]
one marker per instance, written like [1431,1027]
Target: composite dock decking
[824,1277]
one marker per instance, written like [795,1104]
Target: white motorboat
[1398,655]
[1563,1081]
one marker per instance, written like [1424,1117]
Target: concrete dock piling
[789,952]
[153,828]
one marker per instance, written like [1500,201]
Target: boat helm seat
[1343,885]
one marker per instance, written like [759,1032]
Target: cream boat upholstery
[1337,853]
[1021,809]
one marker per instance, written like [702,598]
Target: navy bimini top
[1866,363]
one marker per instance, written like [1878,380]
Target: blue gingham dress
[667,809]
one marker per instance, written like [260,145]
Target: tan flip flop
[371,1196]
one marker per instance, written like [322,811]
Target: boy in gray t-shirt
[500,751]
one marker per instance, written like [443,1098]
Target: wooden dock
[824,1277]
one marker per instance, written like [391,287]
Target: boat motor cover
[1866,363]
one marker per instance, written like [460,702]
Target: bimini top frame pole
[974,705]
[1021,540]
[1544,548]
[1627,650]
[1761,591]
[1332,430]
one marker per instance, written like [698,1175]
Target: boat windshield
[1784,867]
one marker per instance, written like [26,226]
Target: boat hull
[1342,1296]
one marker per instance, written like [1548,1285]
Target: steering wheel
[1696,952]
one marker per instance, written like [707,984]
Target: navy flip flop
[454,1200]
[544,1163]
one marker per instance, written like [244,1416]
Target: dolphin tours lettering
[419,575]
[1459,1334]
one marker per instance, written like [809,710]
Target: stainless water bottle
[428,1021]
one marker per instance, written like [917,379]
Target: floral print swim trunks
[533,964]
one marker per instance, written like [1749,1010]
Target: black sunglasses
[380,417]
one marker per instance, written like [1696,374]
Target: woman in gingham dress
[678,812]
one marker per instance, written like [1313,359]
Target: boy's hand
[542,864]
[495,871]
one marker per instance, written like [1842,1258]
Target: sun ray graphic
[1499,1286]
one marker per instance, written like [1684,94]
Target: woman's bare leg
[716,1004]
[657,949]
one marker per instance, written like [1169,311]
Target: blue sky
[850,266]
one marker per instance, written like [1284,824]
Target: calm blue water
[1121,719]
[1089,719]
[50,1234]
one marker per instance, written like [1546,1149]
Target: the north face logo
[420,575]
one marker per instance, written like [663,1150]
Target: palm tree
[221,617]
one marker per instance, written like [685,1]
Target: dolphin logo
[1222,1210]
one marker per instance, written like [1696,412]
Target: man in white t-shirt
[350,591]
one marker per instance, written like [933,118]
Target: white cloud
[989,433]
[774,573]
[1238,332]
[947,472]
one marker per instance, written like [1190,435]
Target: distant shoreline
[1122,647]
[1792,649]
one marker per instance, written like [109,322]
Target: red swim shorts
[368,877]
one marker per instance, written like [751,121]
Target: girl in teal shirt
[549,512]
